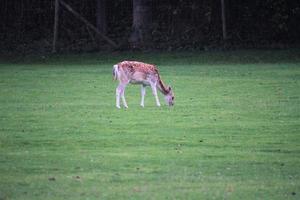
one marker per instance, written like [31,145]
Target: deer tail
[115,72]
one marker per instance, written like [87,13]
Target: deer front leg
[143,92]
[154,91]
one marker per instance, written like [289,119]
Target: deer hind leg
[154,91]
[143,92]
[123,97]
[120,93]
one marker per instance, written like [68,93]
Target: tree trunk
[55,31]
[101,16]
[215,23]
[141,28]
[224,31]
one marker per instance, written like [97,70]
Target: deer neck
[162,87]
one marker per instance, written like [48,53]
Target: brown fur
[140,73]
[130,68]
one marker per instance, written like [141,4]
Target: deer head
[169,97]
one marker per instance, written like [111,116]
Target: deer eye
[172,98]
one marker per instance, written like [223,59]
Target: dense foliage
[27,25]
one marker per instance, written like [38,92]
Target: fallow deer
[140,73]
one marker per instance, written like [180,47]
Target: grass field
[234,132]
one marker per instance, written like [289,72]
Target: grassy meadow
[234,132]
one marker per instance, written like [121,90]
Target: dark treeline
[27,25]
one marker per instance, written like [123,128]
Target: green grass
[234,132]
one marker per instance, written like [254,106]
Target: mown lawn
[234,132]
